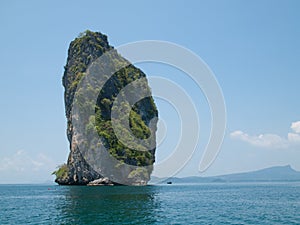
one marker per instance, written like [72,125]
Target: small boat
[169,182]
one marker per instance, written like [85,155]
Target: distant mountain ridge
[272,174]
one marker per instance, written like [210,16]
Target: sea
[210,203]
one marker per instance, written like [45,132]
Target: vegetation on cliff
[82,52]
[61,172]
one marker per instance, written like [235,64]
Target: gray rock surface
[81,53]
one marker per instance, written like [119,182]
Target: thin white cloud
[21,161]
[296,127]
[262,140]
[21,167]
[270,140]
[294,138]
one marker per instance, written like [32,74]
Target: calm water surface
[248,203]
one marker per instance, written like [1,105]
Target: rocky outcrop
[101,182]
[83,51]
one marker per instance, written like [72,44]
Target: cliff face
[84,51]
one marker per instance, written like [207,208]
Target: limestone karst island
[94,79]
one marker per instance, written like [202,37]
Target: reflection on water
[102,204]
[248,203]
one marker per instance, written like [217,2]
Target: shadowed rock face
[84,51]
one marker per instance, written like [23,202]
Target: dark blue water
[259,203]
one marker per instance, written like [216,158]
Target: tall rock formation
[84,51]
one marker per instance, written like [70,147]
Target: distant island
[272,174]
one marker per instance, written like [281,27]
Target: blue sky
[252,47]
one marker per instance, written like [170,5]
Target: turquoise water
[247,203]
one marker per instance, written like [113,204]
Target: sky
[252,47]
